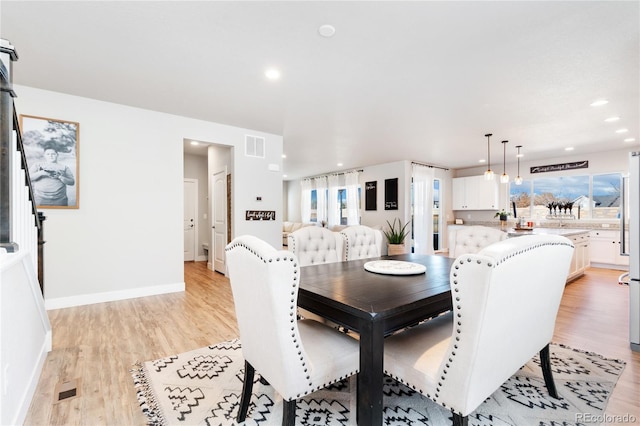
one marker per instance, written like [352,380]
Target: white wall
[195,167]
[379,217]
[378,173]
[25,335]
[398,169]
[126,239]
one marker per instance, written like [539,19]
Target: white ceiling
[421,81]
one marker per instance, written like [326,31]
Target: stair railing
[21,225]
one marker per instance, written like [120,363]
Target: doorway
[219,220]
[190,219]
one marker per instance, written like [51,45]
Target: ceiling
[419,80]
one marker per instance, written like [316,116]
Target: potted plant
[503,215]
[396,234]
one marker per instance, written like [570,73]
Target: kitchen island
[579,238]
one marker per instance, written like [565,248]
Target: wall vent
[253,146]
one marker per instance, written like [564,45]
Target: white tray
[395,267]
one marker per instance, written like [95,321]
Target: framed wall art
[391,194]
[51,151]
[371,195]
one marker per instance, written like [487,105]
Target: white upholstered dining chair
[472,239]
[505,302]
[314,244]
[362,242]
[297,357]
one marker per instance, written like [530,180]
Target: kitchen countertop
[565,232]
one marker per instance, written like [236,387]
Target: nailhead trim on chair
[458,330]
[293,318]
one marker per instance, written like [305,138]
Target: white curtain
[422,209]
[333,210]
[321,195]
[305,200]
[351,180]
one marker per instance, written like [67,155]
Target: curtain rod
[429,165]
[335,173]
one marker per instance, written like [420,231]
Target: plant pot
[394,249]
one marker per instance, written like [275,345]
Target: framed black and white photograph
[51,151]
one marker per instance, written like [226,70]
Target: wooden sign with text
[560,167]
[261,215]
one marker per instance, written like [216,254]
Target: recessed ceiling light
[339,164]
[482,161]
[284,155]
[622,130]
[600,102]
[630,140]
[326,30]
[284,175]
[569,148]
[272,74]
[612,119]
[195,143]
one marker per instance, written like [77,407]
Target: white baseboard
[89,299]
[23,407]
[609,266]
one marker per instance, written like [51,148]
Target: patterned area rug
[202,387]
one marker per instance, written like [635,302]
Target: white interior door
[219,220]
[190,218]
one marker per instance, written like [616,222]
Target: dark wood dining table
[375,305]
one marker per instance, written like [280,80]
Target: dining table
[375,305]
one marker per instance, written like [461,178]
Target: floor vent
[67,389]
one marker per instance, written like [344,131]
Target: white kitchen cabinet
[605,249]
[474,193]
[581,257]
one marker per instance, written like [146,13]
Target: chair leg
[289,413]
[459,420]
[545,363]
[247,387]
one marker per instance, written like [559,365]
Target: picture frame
[371,195]
[51,148]
[391,194]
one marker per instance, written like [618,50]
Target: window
[572,197]
[606,195]
[314,205]
[521,197]
[564,196]
[342,204]
[436,214]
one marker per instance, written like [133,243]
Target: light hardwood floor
[99,343]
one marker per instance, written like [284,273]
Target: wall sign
[261,215]
[560,167]
[371,195]
[391,194]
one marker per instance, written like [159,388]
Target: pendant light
[518,179]
[488,175]
[505,177]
